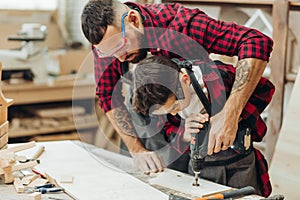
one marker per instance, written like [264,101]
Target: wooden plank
[18,185]
[21,147]
[93,179]
[295,5]
[3,140]
[285,171]
[3,128]
[18,167]
[277,76]
[183,183]
[4,102]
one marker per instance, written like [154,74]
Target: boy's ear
[134,18]
[185,78]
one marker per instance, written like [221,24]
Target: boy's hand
[193,124]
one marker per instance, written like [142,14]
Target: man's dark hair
[95,17]
[155,79]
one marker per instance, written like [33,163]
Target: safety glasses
[118,48]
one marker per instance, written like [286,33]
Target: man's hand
[222,132]
[224,125]
[193,124]
[148,162]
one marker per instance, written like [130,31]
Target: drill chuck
[197,164]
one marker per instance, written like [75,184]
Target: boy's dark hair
[155,80]
[95,17]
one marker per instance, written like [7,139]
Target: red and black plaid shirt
[219,84]
[213,35]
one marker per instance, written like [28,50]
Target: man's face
[123,48]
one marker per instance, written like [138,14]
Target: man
[122,33]
[157,80]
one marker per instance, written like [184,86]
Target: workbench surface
[100,174]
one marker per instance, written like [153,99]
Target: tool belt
[241,147]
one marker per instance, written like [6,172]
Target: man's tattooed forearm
[241,75]
[123,120]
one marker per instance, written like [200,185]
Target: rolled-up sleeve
[230,39]
[108,89]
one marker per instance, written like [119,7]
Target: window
[29,4]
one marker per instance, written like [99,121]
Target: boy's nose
[121,58]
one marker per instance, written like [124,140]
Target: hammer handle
[231,194]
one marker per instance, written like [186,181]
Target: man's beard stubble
[142,54]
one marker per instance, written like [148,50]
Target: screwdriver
[44,190]
[49,190]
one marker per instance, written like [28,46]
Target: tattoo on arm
[124,120]
[241,76]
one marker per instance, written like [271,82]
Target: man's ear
[134,18]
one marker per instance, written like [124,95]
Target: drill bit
[196,179]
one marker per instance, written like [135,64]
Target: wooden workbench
[100,174]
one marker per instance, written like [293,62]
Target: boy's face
[172,105]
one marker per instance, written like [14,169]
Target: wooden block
[3,128]
[4,147]
[66,178]
[34,196]
[4,103]
[6,159]
[20,166]
[38,152]
[51,179]
[22,147]
[37,182]
[18,185]
[3,140]
[8,176]
[29,178]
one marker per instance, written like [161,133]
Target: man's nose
[121,57]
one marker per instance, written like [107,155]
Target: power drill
[199,142]
[198,149]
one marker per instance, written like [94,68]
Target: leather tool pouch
[241,147]
[242,143]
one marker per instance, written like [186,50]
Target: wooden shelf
[59,90]
[295,5]
[71,127]
[30,93]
